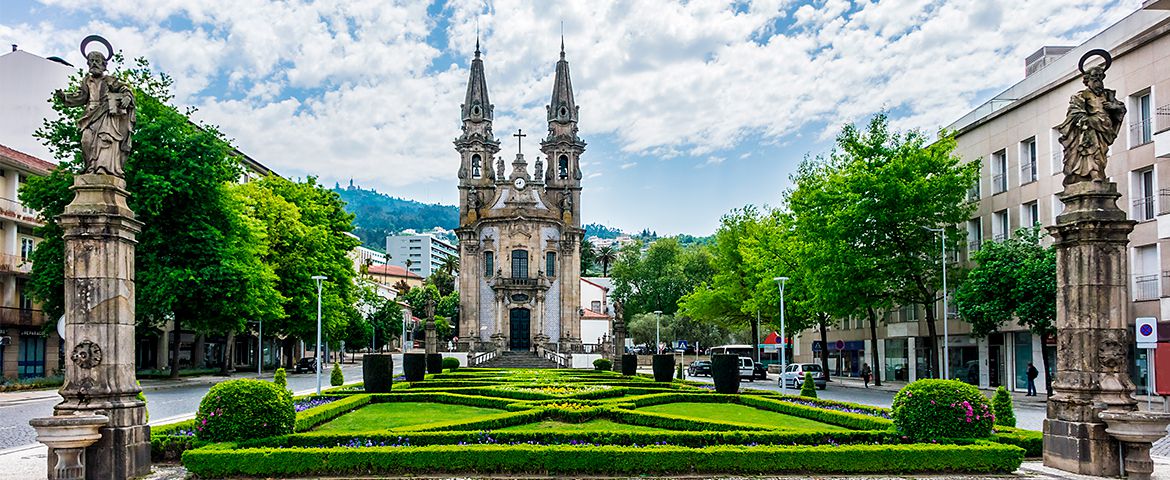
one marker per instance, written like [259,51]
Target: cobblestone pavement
[164,399]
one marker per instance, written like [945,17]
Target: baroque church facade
[519,230]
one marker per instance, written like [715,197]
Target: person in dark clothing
[865,373]
[1032,374]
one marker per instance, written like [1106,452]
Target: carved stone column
[1092,316]
[100,233]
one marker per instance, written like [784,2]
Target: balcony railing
[17,211]
[999,183]
[1163,116]
[1143,208]
[1163,201]
[1145,287]
[1140,132]
[516,282]
[1165,283]
[999,237]
[21,317]
[14,264]
[973,245]
[1028,172]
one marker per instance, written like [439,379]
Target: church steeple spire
[476,106]
[562,108]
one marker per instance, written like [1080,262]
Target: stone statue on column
[1092,407]
[100,232]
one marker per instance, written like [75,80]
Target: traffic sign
[840,344]
[1147,332]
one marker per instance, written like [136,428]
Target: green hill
[377,215]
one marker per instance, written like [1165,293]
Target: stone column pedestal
[1092,330]
[432,341]
[100,233]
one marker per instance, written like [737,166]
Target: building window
[974,192]
[519,263]
[999,170]
[31,362]
[563,166]
[26,248]
[1057,152]
[489,264]
[595,305]
[1029,214]
[1143,194]
[1140,129]
[999,225]
[1057,207]
[476,166]
[974,235]
[910,313]
[550,263]
[1145,279]
[1028,161]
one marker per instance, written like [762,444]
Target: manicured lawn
[590,426]
[731,412]
[397,414]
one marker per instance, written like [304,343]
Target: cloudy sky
[689,109]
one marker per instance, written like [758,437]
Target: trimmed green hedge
[677,422]
[448,398]
[1030,440]
[312,417]
[855,421]
[604,460]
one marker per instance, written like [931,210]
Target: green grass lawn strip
[590,426]
[730,412]
[400,414]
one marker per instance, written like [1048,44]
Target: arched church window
[476,166]
[550,263]
[519,263]
[489,264]
[563,166]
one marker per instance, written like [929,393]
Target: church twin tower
[519,233]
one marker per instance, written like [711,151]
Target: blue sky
[689,109]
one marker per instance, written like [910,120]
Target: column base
[122,453]
[1081,447]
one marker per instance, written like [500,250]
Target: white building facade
[421,254]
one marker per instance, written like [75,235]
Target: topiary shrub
[378,373]
[602,364]
[280,378]
[450,363]
[336,378]
[1001,404]
[629,364]
[933,409]
[414,365]
[663,368]
[244,408]
[434,363]
[809,388]
[725,373]
[678,372]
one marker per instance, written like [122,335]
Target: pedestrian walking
[865,373]
[1032,374]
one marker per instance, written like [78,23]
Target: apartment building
[26,349]
[421,254]
[1013,135]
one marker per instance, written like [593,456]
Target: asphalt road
[164,399]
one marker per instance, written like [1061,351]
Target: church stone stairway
[509,359]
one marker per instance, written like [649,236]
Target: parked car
[793,375]
[747,369]
[701,367]
[761,371]
[306,364]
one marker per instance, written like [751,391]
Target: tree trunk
[873,351]
[226,357]
[199,352]
[932,330]
[176,340]
[824,321]
[287,347]
[755,339]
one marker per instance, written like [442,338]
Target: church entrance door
[520,320]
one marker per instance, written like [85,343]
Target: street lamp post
[657,340]
[946,337]
[783,334]
[320,361]
[260,350]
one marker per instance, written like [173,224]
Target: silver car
[793,375]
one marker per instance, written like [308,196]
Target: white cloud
[628,165]
[366,88]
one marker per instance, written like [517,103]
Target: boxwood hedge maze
[551,422]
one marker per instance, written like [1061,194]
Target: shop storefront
[897,360]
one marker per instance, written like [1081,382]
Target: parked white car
[793,375]
[747,369]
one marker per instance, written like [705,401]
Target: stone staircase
[518,360]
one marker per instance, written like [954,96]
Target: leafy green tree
[193,260]
[605,256]
[1012,279]
[450,265]
[658,278]
[443,281]
[588,256]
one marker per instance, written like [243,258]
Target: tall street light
[946,337]
[657,340]
[260,350]
[783,335]
[320,361]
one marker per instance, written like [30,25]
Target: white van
[747,369]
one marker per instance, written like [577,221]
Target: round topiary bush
[378,373]
[934,409]
[1001,404]
[434,363]
[725,373]
[602,364]
[809,387]
[336,378]
[663,368]
[629,364]
[414,365]
[450,363]
[244,408]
